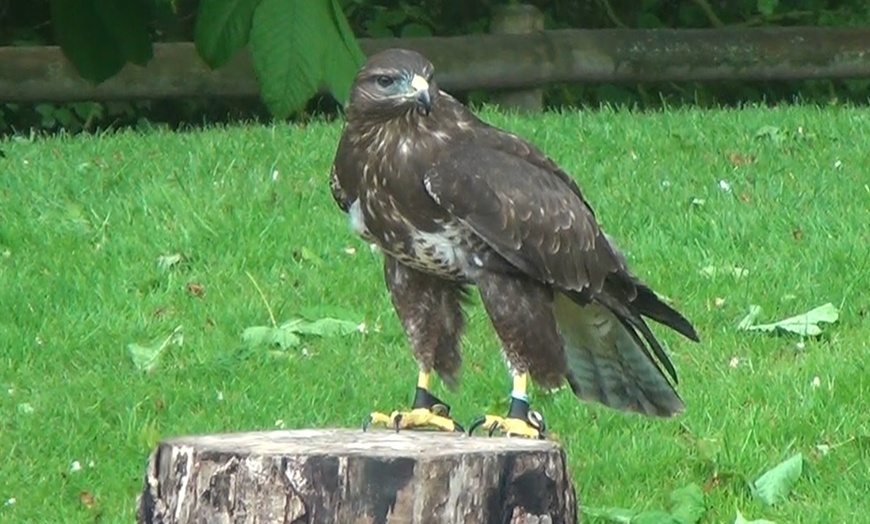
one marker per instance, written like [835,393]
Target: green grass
[83,221]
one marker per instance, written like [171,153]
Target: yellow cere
[419,83]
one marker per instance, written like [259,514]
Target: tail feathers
[650,305]
[608,363]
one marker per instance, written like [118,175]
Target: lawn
[89,227]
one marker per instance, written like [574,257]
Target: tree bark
[351,477]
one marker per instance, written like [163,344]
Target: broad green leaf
[258,335]
[654,517]
[289,42]
[325,327]
[806,324]
[341,67]
[285,338]
[146,357]
[271,336]
[767,7]
[687,504]
[222,28]
[289,334]
[747,321]
[85,40]
[742,520]
[775,484]
[128,21]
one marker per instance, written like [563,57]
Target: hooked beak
[421,93]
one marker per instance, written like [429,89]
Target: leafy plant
[806,324]
[687,506]
[290,333]
[775,484]
[99,37]
[297,47]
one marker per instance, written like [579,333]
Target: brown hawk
[452,202]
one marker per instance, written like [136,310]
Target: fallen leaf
[744,197]
[776,484]
[145,357]
[289,333]
[687,504]
[324,327]
[747,321]
[737,159]
[196,289]
[166,262]
[87,499]
[806,324]
[742,520]
[712,483]
[797,234]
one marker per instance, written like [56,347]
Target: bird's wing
[524,209]
[344,175]
[528,215]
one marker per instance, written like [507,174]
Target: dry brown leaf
[87,499]
[195,289]
[737,159]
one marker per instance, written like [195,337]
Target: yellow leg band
[521,386]
[423,380]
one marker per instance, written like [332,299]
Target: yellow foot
[413,419]
[519,422]
[510,427]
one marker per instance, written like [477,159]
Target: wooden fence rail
[493,62]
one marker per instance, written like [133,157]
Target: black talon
[396,421]
[537,420]
[492,429]
[476,424]
[366,422]
[457,427]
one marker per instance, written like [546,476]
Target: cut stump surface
[346,476]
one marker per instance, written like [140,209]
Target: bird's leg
[427,410]
[520,420]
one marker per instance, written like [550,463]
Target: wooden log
[518,19]
[350,477]
[33,74]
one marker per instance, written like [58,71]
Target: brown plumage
[453,202]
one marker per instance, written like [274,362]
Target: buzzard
[454,202]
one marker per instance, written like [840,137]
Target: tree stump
[346,476]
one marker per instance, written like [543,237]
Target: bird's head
[392,83]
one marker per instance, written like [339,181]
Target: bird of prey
[454,202]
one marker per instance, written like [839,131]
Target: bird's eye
[384,80]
